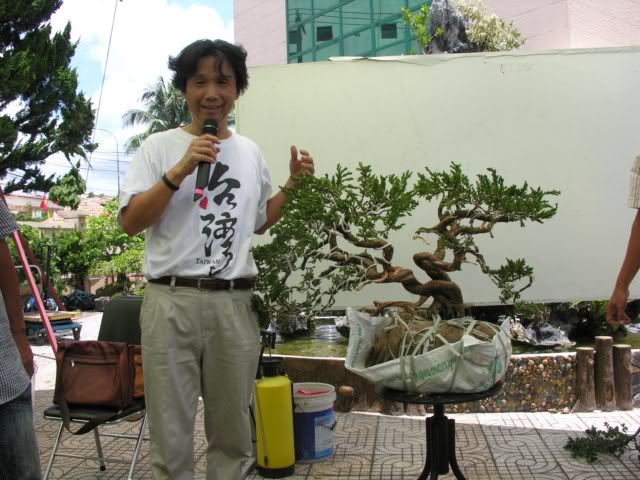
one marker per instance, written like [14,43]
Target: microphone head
[210,127]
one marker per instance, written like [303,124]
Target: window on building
[319,29]
[388,31]
[295,36]
[324,33]
[299,38]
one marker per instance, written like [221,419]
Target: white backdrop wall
[565,119]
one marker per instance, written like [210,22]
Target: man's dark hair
[185,64]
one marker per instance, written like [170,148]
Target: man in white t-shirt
[200,335]
[631,263]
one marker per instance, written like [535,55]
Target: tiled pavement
[502,446]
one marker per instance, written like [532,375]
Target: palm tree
[164,109]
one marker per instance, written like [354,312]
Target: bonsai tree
[334,237]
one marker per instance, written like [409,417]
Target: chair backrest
[121,320]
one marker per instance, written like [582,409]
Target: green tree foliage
[41,111]
[334,237]
[164,109]
[419,25]
[69,261]
[38,242]
[102,248]
[72,259]
[110,250]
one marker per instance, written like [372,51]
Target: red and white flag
[43,203]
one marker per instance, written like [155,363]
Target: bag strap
[87,427]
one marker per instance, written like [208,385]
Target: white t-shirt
[196,240]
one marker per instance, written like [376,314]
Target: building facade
[296,31]
[56,218]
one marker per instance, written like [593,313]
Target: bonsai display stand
[441,431]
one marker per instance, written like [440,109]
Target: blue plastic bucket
[313,421]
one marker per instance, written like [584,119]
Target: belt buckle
[199,284]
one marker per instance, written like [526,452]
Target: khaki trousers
[198,342]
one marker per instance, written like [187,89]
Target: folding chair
[120,323]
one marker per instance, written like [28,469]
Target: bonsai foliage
[610,441]
[334,237]
[533,313]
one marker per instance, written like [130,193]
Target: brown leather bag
[92,373]
[138,387]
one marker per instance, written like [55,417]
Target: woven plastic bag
[468,365]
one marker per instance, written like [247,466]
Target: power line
[85,168]
[115,152]
[104,75]
[127,162]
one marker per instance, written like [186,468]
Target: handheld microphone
[210,127]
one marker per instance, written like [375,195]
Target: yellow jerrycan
[274,421]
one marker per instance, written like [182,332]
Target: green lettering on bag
[435,370]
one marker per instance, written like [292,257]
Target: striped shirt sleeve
[7,224]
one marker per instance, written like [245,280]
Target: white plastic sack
[469,365]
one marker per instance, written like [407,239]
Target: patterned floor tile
[355,434]
[526,446]
[343,465]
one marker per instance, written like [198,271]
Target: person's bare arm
[297,166]
[628,271]
[146,208]
[10,288]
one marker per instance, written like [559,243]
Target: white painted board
[562,119]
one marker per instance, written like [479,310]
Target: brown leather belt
[208,283]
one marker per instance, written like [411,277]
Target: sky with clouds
[145,33]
